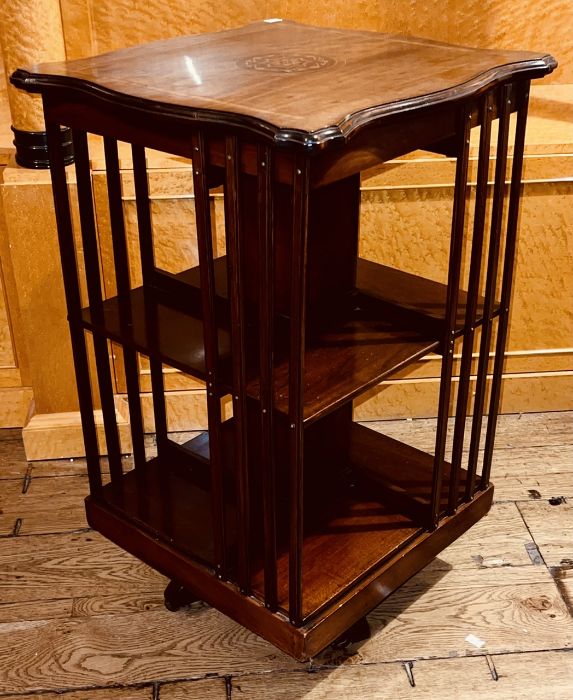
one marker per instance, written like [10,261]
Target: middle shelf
[391,319]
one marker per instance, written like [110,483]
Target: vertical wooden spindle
[266,357]
[454,268]
[238,352]
[147,270]
[143,213]
[122,277]
[296,384]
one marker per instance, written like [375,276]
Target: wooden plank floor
[82,620]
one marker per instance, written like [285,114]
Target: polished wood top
[294,82]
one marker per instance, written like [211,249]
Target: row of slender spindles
[73,303]
[509,99]
[93,279]
[301,180]
[472,297]
[450,321]
[490,281]
[522,100]
[266,248]
[208,295]
[123,284]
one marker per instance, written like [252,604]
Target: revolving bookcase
[287,515]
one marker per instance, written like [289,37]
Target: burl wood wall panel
[26,197]
[15,397]
[7,355]
[29,31]
[95,26]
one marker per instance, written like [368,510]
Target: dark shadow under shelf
[157,330]
[421,300]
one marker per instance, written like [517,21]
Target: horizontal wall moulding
[59,435]
[516,375]
[450,185]
[525,393]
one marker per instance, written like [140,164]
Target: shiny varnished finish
[292,82]
[288,516]
[471,308]
[451,311]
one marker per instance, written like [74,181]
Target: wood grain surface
[318,81]
[471,677]
[81,619]
[145,693]
[551,524]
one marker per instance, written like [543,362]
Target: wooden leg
[177,597]
[357,633]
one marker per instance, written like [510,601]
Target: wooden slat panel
[266,247]
[215,689]
[49,505]
[70,566]
[127,649]
[211,346]
[544,676]
[236,286]
[95,694]
[432,614]
[498,540]
[296,373]
[552,529]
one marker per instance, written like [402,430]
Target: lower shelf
[303,642]
[373,505]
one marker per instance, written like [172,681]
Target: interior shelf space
[360,525]
[388,321]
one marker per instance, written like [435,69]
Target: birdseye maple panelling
[92,27]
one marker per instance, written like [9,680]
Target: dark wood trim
[46,82]
[32,148]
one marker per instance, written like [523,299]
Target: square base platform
[304,642]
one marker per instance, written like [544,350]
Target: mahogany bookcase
[289,516]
